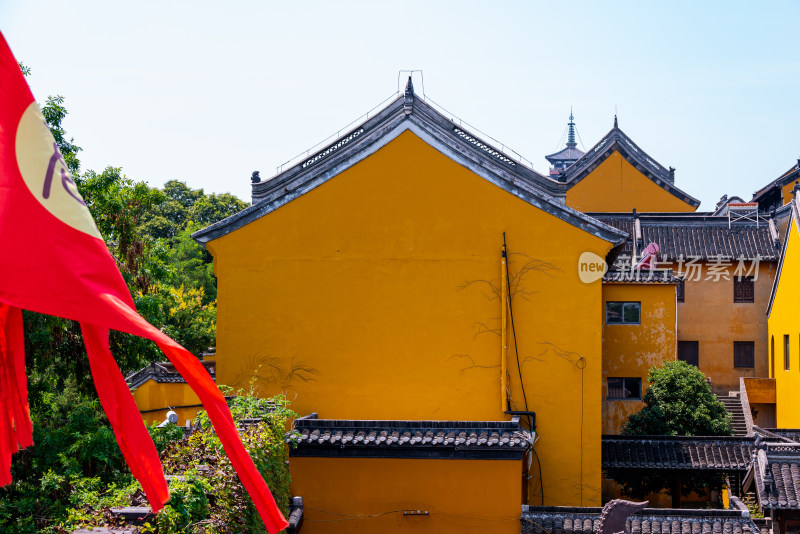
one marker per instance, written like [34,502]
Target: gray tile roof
[643,276]
[716,453]
[163,372]
[568,153]
[695,236]
[566,520]
[775,472]
[381,438]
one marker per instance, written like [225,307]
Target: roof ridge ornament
[408,103]
[571,135]
[616,124]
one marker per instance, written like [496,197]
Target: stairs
[734,407]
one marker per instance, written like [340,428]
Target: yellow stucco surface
[459,495]
[709,315]
[616,186]
[631,350]
[375,296]
[154,400]
[783,321]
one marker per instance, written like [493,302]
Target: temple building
[464,337]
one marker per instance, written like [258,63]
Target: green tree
[679,402]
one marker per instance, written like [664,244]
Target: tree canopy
[679,402]
[170,277]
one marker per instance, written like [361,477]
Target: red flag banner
[55,261]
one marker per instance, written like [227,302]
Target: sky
[207,94]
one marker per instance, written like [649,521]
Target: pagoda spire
[571,135]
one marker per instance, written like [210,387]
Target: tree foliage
[170,277]
[679,402]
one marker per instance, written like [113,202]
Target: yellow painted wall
[616,186]
[631,350]
[375,296]
[161,397]
[709,315]
[344,495]
[783,320]
[786,192]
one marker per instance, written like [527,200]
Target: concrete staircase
[733,405]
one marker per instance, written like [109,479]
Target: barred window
[743,289]
[680,291]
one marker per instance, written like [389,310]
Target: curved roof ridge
[618,140]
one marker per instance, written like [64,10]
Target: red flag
[55,261]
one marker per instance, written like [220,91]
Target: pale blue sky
[207,94]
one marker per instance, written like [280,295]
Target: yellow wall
[786,193]
[709,315]
[616,186]
[631,350]
[161,397]
[460,496]
[375,296]
[783,320]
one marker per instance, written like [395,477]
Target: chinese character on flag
[53,260]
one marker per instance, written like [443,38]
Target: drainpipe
[503,334]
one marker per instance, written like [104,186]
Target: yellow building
[369,283]
[639,333]
[615,175]
[784,327]
[779,191]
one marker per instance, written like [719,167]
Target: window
[680,291]
[688,351]
[743,289]
[624,388]
[772,357]
[623,312]
[743,353]
[786,352]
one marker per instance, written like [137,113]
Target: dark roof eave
[441,133]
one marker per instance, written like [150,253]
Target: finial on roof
[615,121]
[672,174]
[408,101]
[796,188]
[255,178]
[409,87]
[571,136]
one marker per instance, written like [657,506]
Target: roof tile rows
[563,520]
[325,433]
[692,236]
[665,452]
[777,477]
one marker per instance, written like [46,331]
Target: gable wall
[616,186]
[374,296]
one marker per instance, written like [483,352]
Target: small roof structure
[409,112]
[706,453]
[163,372]
[489,440]
[768,197]
[617,140]
[774,473]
